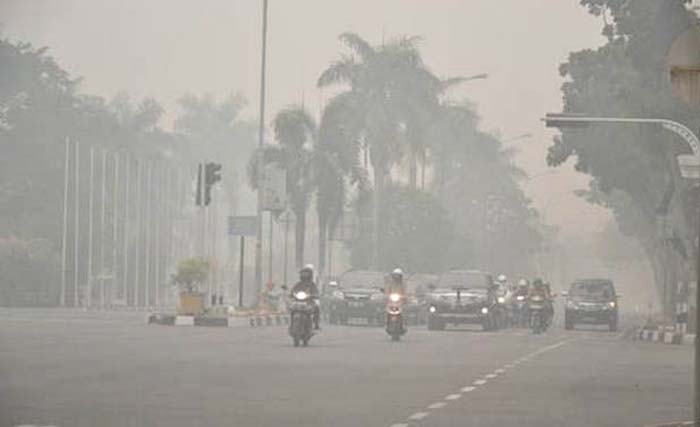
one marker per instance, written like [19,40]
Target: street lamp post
[563,121]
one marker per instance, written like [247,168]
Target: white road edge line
[499,371]
[479,382]
[467,389]
[453,396]
[437,405]
[399,425]
[490,376]
[419,416]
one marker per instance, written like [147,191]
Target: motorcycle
[538,315]
[301,311]
[395,326]
[520,312]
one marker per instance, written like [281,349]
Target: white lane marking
[418,416]
[499,371]
[509,366]
[453,396]
[437,405]
[479,382]
[399,425]
[467,389]
[490,376]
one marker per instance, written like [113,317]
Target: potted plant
[190,275]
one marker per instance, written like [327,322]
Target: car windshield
[362,279]
[465,279]
[592,289]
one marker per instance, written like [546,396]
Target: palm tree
[390,97]
[296,134]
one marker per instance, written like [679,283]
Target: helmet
[522,282]
[307,273]
[502,278]
[537,282]
[397,274]
[333,283]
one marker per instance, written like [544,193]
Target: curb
[230,322]
[663,336]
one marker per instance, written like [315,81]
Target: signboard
[274,189]
[242,225]
[689,166]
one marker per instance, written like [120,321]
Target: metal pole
[103,207]
[261,142]
[64,240]
[137,259]
[697,328]
[91,213]
[115,231]
[125,274]
[269,261]
[240,273]
[76,232]
[286,247]
[214,263]
[157,236]
[147,236]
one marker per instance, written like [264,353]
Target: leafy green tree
[28,273]
[632,167]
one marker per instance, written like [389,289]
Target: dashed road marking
[451,397]
[418,416]
[437,405]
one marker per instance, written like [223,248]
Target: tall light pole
[64,239]
[91,212]
[261,142]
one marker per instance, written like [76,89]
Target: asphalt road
[67,368]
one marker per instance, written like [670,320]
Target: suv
[591,301]
[359,295]
[463,297]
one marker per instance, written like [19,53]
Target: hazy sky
[164,48]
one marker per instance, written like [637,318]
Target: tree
[632,168]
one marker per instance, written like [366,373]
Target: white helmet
[522,282]
[502,278]
[397,271]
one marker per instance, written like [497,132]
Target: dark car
[417,286]
[359,295]
[463,297]
[591,301]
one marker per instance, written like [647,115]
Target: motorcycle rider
[306,284]
[523,288]
[396,284]
[541,289]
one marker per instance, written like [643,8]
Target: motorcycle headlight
[520,298]
[338,295]
[301,295]
[377,297]
[501,300]
[612,304]
[485,310]
[432,309]
[394,297]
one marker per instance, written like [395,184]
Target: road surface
[66,368]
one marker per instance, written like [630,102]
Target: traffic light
[212,175]
[207,175]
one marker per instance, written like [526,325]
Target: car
[417,287]
[359,295]
[463,297]
[591,301]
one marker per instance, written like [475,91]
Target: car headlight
[394,297]
[377,297]
[301,295]
[520,298]
[501,300]
[432,309]
[338,295]
[485,310]
[612,304]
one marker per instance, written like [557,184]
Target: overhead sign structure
[242,225]
[273,188]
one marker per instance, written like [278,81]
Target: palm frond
[358,45]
